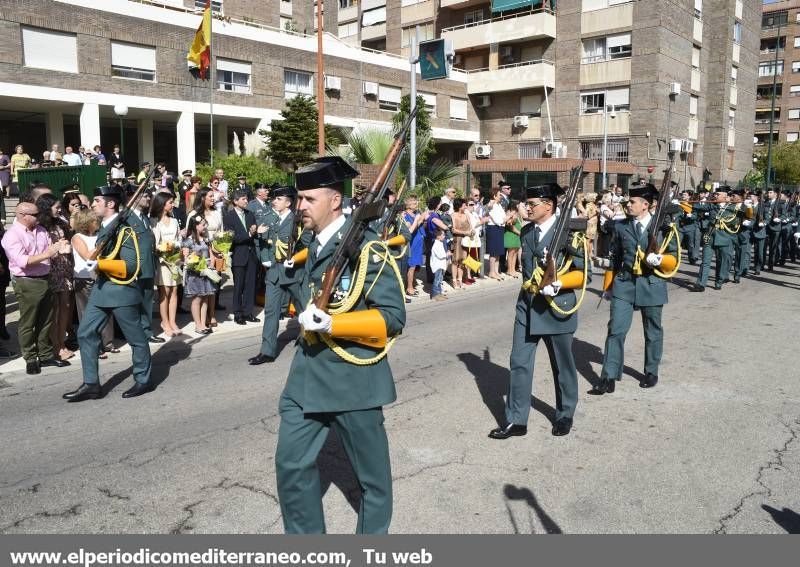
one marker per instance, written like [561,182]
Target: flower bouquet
[200,265]
[221,244]
[170,253]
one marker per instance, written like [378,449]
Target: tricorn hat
[108,191]
[328,171]
[284,191]
[547,191]
[646,191]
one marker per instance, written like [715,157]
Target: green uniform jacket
[147,245]
[759,232]
[642,291]
[534,310]
[264,216]
[106,293]
[320,381]
[278,231]
[732,214]
[774,210]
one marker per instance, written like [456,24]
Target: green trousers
[743,254]
[520,388]
[89,339]
[689,235]
[275,301]
[723,263]
[618,327]
[300,438]
[35,317]
[148,298]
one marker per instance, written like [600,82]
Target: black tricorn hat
[71,188]
[787,192]
[284,191]
[646,191]
[723,189]
[547,191]
[108,191]
[328,171]
[739,192]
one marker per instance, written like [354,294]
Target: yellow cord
[641,256]
[124,234]
[281,248]
[533,284]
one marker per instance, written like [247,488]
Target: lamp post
[122,112]
[605,139]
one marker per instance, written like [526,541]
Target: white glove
[676,202]
[689,215]
[552,289]
[761,224]
[748,202]
[794,224]
[288,263]
[746,223]
[316,320]
[784,221]
[266,264]
[654,259]
[797,235]
[706,214]
[776,219]
[91,264]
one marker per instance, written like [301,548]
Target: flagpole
[320,86]
[212,79]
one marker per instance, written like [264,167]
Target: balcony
[616,70]
[512,77]
[416,12]
[348,14]
[592,124]
[606,19]
[373,32]
[458,4]
[762,125]
[502,29]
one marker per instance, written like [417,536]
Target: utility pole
[320,86]
[768,176]
[413,59]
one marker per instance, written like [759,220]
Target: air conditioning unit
[483,101]
[675,88]
[561,152]
[675,145]
[483,151]
[506,52]
[687,146]
[555,149]
[370,88]
[521,121]
[333,83]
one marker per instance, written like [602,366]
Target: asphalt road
[713,448]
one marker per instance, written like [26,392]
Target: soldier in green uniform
[639,283]
[113,294]
[280,225]
[335,381]
[139,221]
[743,238]
[788,217]
[543,315]
[688,231]
[758,233]
[774,211]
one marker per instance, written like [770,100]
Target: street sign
[434,59]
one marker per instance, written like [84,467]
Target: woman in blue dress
[196,283]
[413,219]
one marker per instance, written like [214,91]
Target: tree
[753,179]
[785,163]
[255,168]
[425,143]
[292,142]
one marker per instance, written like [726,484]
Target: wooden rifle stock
[372,207]
[391,218]
[665,196]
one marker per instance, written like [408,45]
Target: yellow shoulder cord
[124,234]
[381,253]
[723,223]
[281,248]
[533,284]
[641,256]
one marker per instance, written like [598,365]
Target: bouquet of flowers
[222,242]
[200,265]
[170,253]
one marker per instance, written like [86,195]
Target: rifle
[665,197]
[561,228]
[371,208]
[391,218]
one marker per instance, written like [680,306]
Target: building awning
[547,165]
[506,5]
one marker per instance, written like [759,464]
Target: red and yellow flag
[199,56]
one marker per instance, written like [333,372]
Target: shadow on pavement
[788,519]
[586,354]
[513,493]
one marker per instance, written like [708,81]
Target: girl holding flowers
[198,283]
[168,247]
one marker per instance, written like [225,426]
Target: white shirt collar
[284,214]
[110,219]
[545,226]
[645,222]
[327,233]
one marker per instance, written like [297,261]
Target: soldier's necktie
[536,232]
[639,229]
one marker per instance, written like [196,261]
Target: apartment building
[66,64]
[778,69]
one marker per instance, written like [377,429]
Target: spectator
[241,179]
[414,219]
[197,285]
[61,272]
[220,194]
[29,250]
[462,228]
[448,196]
[511,240]
[53,155]
[70,204]
[86,224]
[438,264]
[166,233]
[432,222]
[244,262]
[505,194]
[20,160]
[472,244]
[445,213]
[70,158]
[98,155]
[5,278]
[5,180]
[495,229]
[204,206]
[144,172]
[591,221]
[117,164]
[191,193]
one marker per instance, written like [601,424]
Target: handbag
[472,264]
[470,242]
[219,264]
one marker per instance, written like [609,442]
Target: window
[591,5]
[46,49]
[791,136]
[458,108]
[765,91]
[216,6]
[737,32]
[348,30]
[426,32]
[373,17]
[430,102]
[388,98]
[604,48]
[530,105]
[619,98]
[594,50]
[794,114]
[286,24]
[617,149]
[773,44]
[129,61]
[233,76]
[297,83]
[731,119]
[592,103]
[795,66]
[734,75]
[698,9]
[768,69]
[794,90]
[695,57]
[619,45]
[773,19]
[693,100]
[473,17]
[346,4]
[797,41]
[529,150]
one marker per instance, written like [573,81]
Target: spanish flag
[199,56]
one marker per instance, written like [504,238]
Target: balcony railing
[509,66]
[498,19]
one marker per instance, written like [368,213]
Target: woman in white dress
[166,230]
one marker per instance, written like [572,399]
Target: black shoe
[649,381]
[4,334]
[757,273]
[605,386]
[220,307]
[5,353]
[260,359]
[84,392]
[737,280]
[562,426]
[693,262]
[509,430]
[718,287]
[138,390]
[155,339]
[32,367]
[206,331]
[251,319]
[239,320]
[696,287]
[54,362]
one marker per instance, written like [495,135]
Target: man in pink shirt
[29,250]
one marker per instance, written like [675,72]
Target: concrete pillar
[144,129]
[185,136]
[494,56]
[221,141]
[90,125]
[55,130]
[264,124]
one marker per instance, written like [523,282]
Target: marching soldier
[774,210]
[787,230]
[742,241]
[280,225]
[335,380]
[543,315]
[688,231]
[639,284]
[139,221]
[758,233]
[116,292]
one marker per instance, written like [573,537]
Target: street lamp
[121,111]
[605,139]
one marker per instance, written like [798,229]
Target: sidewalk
[15,368]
